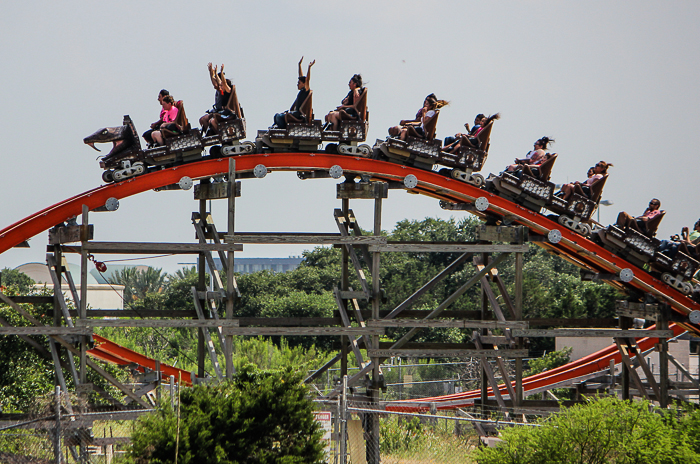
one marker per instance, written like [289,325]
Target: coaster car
[301,134]
[416,151]
[576,213]
[226,140]
[128,159]
[468,158]
[353,130]
[642,249]
[528,187]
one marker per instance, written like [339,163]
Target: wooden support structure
[207,337]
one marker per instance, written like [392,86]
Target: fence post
[57,438]
[344,422]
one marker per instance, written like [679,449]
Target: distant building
[250,265]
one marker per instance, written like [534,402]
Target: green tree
[262,417]
[607,430]
[549,361]
[137,284]
[13,278]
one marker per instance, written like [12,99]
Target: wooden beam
[288,331]
[486,288]
[600,322]
[348,295]
[613,333]
[180,323]
[645,367]
[207,336]
[489,374]
[346,323]
[151,248]
[478,340]
[446,353]
[311,239]
[456,247]
[464,324]
[141,313]
[339,219]
[504,293]
[46,330]
[623,347]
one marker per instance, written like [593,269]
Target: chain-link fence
[408,378]
[62,429]
[361,431]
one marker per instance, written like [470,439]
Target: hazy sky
[613,81]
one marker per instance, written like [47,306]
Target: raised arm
[225,88]
[213,77]
[301,74]
[307,84]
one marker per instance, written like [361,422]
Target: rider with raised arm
[303,84]
[223,88]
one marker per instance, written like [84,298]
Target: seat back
[430,127]
[233,105]
[307,107]
[133,135]
[546,167]
[484,136]
[361,106]
[181,122]
[181,119]
[597,188]
[653,223]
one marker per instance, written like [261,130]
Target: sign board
[324,418]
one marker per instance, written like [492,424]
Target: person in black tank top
[347,105]
[304,89]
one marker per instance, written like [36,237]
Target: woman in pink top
[169,116]
[599,170]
